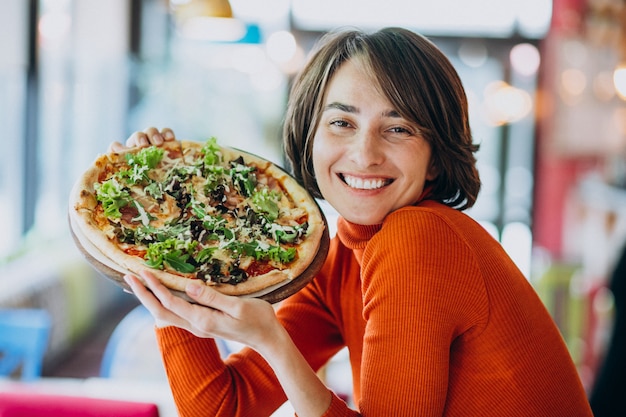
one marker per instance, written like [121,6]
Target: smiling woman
[389,147]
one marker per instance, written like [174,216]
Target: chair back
[33,404]
[23,342]
[132,351]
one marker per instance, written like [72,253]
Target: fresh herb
[243,178]
[140,164]
[172,252]
[155,190]
[263,251]
[204,255]
[212,153]
[113,197]
[148,157]
[266,202]
[285,233]
[283,255]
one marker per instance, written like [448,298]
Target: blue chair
[23,342]
[132,351]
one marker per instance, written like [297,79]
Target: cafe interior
[546,86]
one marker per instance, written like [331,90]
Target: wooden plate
[274,294]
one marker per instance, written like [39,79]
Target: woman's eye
[399,129]
[339,123]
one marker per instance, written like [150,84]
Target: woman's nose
[367,149]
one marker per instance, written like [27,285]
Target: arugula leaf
[263,251]
[285,233]
[113,197]
[140,164]
[243,178]
[278,254]
[147,157]
[173,252]
[266,202]
[204,255]
[211,151]
[154,189]
[178,260]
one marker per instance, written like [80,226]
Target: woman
[436,317]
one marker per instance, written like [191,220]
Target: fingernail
[169,135]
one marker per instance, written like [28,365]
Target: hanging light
[210,20]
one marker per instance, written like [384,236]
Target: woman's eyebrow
[340,106]
[353,109]
[392,113]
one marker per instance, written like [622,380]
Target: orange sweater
[437,319]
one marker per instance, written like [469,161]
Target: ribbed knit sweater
[437,319]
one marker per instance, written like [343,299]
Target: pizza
[192,210]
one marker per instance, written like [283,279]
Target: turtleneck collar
[355,236]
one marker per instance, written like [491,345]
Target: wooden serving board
[274,294]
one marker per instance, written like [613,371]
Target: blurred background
[546,82]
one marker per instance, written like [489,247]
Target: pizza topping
[113,197]
[220,221]
[140,164]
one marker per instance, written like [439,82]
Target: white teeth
[362,184]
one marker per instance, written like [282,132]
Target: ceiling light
[210,20]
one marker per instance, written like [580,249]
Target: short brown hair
[421,84]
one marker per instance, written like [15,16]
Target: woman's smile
[361,183]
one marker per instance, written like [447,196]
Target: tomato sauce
[259,268]
[133,251]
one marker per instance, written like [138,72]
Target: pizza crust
[84,204]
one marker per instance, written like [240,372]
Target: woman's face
[368,160]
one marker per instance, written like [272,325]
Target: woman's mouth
[365,183]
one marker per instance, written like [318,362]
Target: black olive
[196,228]
[251,216]
[237,275]
[219,193]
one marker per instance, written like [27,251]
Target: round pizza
[190,210]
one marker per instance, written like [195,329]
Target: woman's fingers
[245,320]
[116,147]
[168,134]
[150,136]
[209,297]
[154,136]
[137,139]
[150,299]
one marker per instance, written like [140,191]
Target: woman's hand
[245,320]
[149,136]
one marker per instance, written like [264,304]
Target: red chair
[25,404]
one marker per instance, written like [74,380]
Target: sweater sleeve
[415,306]
[203,384]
